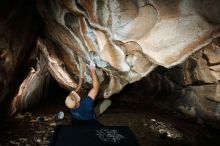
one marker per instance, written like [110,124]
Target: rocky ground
[151,125]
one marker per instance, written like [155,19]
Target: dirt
[152,126]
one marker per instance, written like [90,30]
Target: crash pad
[68,135]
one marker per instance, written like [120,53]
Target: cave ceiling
[126,39]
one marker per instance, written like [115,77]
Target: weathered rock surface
[201,68]
[199,78]
[34,86]
[126,40]
[19,24]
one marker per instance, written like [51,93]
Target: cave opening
[158,62]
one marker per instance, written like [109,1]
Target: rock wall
[19,24]
[191,87]
[126,39]
[199,78]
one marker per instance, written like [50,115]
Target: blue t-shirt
[85,110]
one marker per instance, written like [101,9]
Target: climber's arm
[95,84]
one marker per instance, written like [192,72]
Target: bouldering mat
[67,135]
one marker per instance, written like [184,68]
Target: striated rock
[125,39]
[33,87]
[202,67]
[19,24]
[204,99]
[192,87]
[199,78]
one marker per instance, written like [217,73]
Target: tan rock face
[199,78]
[33,87]
[127,39]
[200,68]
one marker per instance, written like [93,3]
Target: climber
[83,110]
